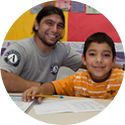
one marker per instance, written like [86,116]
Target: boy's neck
[101,80]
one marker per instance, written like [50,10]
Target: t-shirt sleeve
[72,59]
[13,59]
[65,86]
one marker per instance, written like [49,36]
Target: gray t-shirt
[25,59]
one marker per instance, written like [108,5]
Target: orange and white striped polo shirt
[81,85]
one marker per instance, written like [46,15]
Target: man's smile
[52,36]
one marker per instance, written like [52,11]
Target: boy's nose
[99,59]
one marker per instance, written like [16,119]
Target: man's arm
[14,83]
[119,66]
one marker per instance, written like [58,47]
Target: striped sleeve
[65,86]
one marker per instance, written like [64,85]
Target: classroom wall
[79,25]
[82,25]
[22,27]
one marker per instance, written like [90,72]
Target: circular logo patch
[54,68]
[12,57]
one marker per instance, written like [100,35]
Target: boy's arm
[64,86]
[45,89]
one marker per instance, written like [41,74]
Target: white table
[67,118]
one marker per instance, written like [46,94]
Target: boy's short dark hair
[48,10]
[99,37]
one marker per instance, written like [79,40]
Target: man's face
[50,29]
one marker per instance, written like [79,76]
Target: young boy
[99,81]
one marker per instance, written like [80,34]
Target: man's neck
[44,48]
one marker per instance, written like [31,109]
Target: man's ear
[36,25]
[83,60]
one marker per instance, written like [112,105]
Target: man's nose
[54,28]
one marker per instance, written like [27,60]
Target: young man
[36,60]
[33,61]
[99,81]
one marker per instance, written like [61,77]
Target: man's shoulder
[64,49]
[21,46]
[61,45]
[24,41]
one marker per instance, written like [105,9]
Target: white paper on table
[85,106]
[24,106]
[51,106]
[57,106]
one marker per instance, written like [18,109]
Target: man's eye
[60,26]
[49,23]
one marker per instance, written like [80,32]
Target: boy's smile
[98,67]
[99,61]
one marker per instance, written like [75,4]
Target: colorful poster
[91,10]
[63,4]
[51,3]
[77,7]
[36,9]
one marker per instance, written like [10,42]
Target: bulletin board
[79,26]
[82,25]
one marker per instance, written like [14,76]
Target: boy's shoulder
[82,73]
[116,70]
[117,73]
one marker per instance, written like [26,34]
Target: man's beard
[45,42]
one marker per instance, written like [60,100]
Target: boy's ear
[83,60]
[114,60]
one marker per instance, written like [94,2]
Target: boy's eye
[92,54]
[106,55]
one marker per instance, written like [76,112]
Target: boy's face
[99,60]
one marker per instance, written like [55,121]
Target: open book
[24,106]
